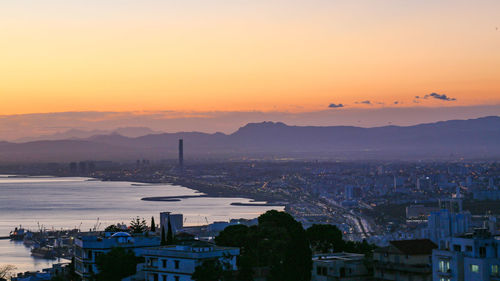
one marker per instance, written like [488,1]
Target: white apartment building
[178,262]
[469,257]
[88,248]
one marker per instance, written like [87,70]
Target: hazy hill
[82,134]
[474,138]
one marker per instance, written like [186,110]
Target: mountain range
[446,140]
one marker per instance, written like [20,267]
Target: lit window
[474,268]
[494,269]
[444,279]
[444,266]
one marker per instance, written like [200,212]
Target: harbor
[56,203]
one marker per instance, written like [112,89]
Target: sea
[74,202]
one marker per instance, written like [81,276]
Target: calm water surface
[78,202]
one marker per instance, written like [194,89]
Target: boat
[18,234]
[44,252]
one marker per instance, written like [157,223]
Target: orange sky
[237,55]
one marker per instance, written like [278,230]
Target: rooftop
[410,247]
[338,257]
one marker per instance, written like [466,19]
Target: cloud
[364,102]
[441,97]
[335,105]
[437,96]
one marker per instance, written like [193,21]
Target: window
[444,279]
[177,278]
[164,278]
[321,271]
[444,265]
[482,252]
[457,248]
[468,248]
[176,264]
[494,270]
[164,263]
[474,268]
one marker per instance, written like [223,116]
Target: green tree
[170,235]
[112,228]
[325,238]
[138,225]
[153,225]
[289,255]
[210,270]
[232,236]
[278,242]
[163,240]
[116,264]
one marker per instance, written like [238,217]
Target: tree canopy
[116,264]
[112,228]
[278,243]
[325,238]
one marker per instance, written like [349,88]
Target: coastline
[206,189]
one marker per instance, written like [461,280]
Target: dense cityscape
[249,140]
[393,208]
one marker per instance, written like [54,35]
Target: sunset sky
[238,55]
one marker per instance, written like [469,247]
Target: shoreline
[216,190]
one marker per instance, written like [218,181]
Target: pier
[4,237]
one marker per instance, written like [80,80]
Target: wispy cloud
[364,102]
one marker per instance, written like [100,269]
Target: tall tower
[181,154]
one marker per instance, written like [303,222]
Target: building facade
[404,260]
[88,248]
[469,257]
[178,262]
[340,267]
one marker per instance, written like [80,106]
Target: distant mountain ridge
[473,138]
[82,134]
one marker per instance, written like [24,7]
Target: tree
[278,242]
[112,228]
[163,240]
[153,225]
[116,264]
[232,236]
[213,270]
[138,226]
[170,235]
[325,238]
[289,255]
[210,270]
[7,271]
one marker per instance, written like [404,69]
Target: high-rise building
[181,153]
[176,221]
